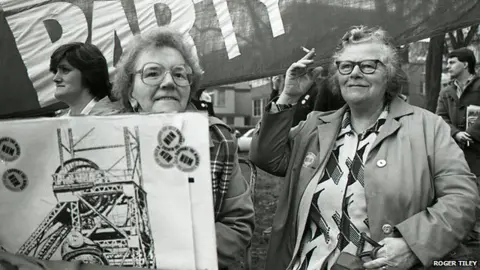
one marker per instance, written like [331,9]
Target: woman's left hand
[394,253]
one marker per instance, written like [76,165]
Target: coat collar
[330,123]
[398,108]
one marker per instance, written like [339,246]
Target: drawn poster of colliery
[113,191]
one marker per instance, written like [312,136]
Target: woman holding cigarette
[377,184]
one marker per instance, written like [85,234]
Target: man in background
[463,90]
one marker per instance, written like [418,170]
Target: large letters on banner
[182,16]
[226,26]
[108,21]
[35,46]
[239,39]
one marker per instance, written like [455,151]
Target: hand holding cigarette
[298,78]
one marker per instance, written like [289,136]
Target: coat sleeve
[235,222]
[437,230]
[442,111]
[272,140]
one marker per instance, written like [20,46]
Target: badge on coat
[309,159]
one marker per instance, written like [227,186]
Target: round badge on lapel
[387,228]
[309,159]
[381,163]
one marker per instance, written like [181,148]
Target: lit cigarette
[305,49]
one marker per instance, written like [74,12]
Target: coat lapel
[328,127]
[452,93]
[398,108]
[318,147]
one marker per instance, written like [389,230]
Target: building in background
[232,103]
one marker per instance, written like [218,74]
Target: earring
[134,105]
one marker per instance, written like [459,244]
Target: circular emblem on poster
[9,149]
[187,159]
[170,138]
[164,158]
[15,180]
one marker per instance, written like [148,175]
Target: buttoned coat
[416,179]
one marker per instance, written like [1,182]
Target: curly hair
[157,38]
[396,77]
[90,61]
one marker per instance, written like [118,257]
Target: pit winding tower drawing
[101,214]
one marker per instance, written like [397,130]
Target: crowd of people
[369,181]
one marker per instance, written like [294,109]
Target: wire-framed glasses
[366,66]
[154,73]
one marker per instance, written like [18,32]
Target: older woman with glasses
[376,184]
[159,73]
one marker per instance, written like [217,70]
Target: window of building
[257,107]
[219,99]
[230,120]
[423,90]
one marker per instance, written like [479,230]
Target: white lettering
[108,20]
[226,27]
[182,17]
[274,17]
[34,43]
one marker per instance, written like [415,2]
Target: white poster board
[127,190]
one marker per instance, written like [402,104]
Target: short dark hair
[90,61]
[465,55]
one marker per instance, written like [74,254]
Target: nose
[356,72]
[167,82]
[57,77]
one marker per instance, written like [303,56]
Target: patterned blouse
[334,225]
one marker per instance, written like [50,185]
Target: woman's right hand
[299,77]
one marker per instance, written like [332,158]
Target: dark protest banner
[236,40]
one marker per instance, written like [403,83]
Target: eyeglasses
[153,74]
[366,66]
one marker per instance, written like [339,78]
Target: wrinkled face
[166,95]
[455,67]
[358,88]
[68,82]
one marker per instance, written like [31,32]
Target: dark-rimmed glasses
[366,66]
[153,74]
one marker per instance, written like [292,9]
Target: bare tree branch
[471,33]
[453,40]
[460,38]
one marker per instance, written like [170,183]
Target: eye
[63,70]
[151,73]
[179,74]
[368,65]
[345,65]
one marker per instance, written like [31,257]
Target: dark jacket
[454,111]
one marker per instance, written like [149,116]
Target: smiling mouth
[166,98]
